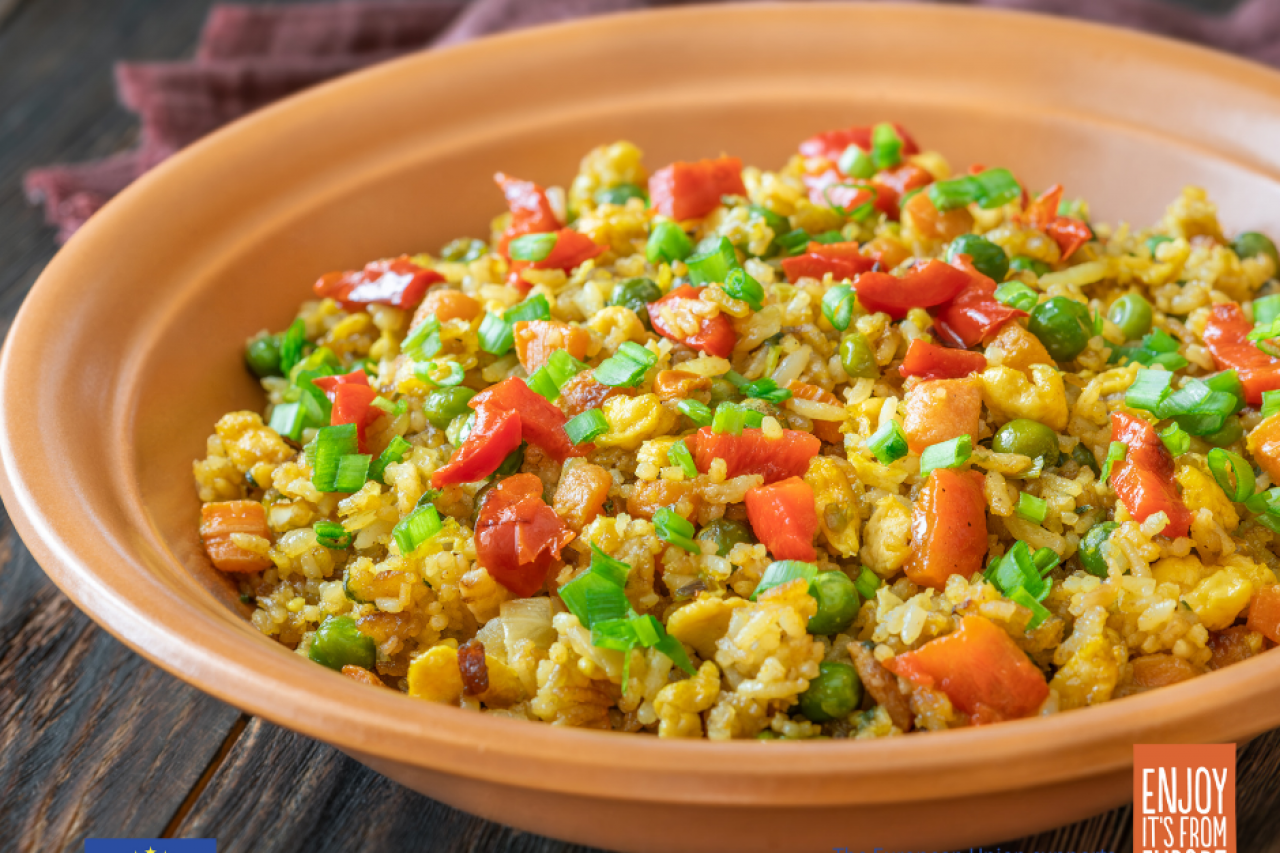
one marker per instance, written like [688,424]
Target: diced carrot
[1017,348]
[680,385]
[537,339]
[583,392]
[1234,645]
[783,517]
[948,528]
[752,453]
[828,431]
[447,305]
[1264,613]
[649,496]
[715,335]
[980,668]
[362,675]
[219,520]
[1263,444]
[1160,670]
[939,410]
[930,361]
[928,222]
[581,494]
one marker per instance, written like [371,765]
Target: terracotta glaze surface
[130,347]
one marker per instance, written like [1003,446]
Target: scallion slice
[867,583]
[423,341]
[1015,294]
[948,454]
[739,285]
[1232,473]
[332,535]
[1176,439]
[626,367]
[1039,612]
[1149,390]
[416,528]
[532,247]
[291,344]
[552,376]
[1198,408]
[1032,508]
[856,163]
[765,389]
[784,571]
[586,426]
[1045,559]
[675,530]
[534,308]
[1266,309]
[395,410]
[776,221]
[1270,403]
[837,306]
[332,444]
[696,411]
[352,473]
[996,188]
[286,419]
[1115,453]
[888,443]
[678,454]
[732,419]
[394,453]
[886,146]
[496,335]
[713,265]
[668,242]
[793,242]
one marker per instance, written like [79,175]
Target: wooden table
[95,741]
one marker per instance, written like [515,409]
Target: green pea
[723,391]
[726,533]
[1091,548]
[1023,263]
[263,356]
[1230,433]
[988,258]
[463,250]
[1063,326]
[636,294]
[1132,313]
[856,356]
[1085,459]
[838,603]
[1250,244]
[1154,242]
[512,463]
[338,642]
[444,404]
[1028,437]
[834,694]
[620,194]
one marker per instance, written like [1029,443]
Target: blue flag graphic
[150,845]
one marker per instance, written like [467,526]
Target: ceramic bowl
[129,348]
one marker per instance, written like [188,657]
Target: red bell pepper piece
[980,668]
[328,384]
[930,361]
[715,336]
[784,518]
[892,184]
[843,260]
[751,453]
[927,284]
[542,423]
[571,249]
[518,537]
[351,397]
[974,316]
[1224,337]
[1264,613]
[832,143]
[831,189]
[531,212]
[948,528]
[493,436]
[398,282]
[1144,479]
[1069,233]
[692,190]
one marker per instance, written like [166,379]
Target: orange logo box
[1184,798]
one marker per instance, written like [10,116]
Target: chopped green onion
[678,454]
[613,632]
[948,454]
[352,473]
[416,528]
[1157,349]
[460,428]
[393,454]
[534,308]
[560,367]
[332,535]
[540,383]
[678,531]
[332,444]
[765,389]
[1149,390]
[1032,508]
[1020,578]
[287,418]
[862,211]
[619,194]
[856,163]
[597,594]
[586,426]
[886,146]
[867,583]
[626,367]
[739,285]
[793,242]
[775,221]
[831,236]
[888,443]
[291,344]
[1198,408]
[1039,612]
[532,247]
[990,189]
[427,370]
[496,335]
[1267,506]
[714,264]
[395,410]
[1015,294]
[1270,404]
[1176,439]
[732,418]
[1115,453]
[423,341]
[837,306]
[1266,309]
[1228,381]
[1045,559]
[1232,473]
[784,571]
[698,412]
[668,242]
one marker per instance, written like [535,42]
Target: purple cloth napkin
[249,56]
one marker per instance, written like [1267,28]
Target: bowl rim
[373,723]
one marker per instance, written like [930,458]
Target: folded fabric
[249,56]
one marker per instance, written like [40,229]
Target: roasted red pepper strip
[1144,479]
[692,190]
[843,260]
[982,671]
[715,336]
[928,284]
[784,518]
[328,384]
[542,423]
[398,282]
[948,528]
[832,143]
[351,405]
[531,212]
[571,249]
[1042,214]
[930,361]
[892,184]
[974,316]
[519,537]
[493,436]
[1224,337]
[751,453]
[831,189]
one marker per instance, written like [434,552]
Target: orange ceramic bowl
[129,348]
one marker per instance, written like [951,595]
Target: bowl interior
[130,346]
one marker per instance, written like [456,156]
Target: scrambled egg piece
[634,419]
[1009,395]
[248,441]
[606,166]
[1199,491]
[837,509]
[701,623]
[680,705]
[888,536]
[434,676]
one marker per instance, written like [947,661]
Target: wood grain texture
[94,741]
